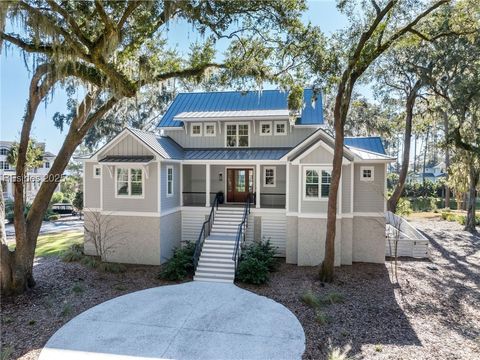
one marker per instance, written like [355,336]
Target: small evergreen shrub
[321,317]
[404,207]
[252,271]
[333,298]
[90,262]
[181,263]
[256,261]
[113,268]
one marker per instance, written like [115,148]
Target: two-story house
[159,188]
[34,177]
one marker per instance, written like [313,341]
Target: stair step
[211,246]
[219,241]
[212,251]
[225,226]
[217,260]
[224,233]
[212,274]
[214,270]
[207,279]
[217,264]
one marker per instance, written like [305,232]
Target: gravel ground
[432,311]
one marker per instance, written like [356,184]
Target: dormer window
[210,129]
[237,135]
[196,130]
[265,128]
[280,128]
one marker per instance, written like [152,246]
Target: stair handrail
[205,232]
[241,232]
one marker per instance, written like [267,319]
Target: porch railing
[204,232]
[241,232]
[267,200]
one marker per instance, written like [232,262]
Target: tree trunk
[447,160]
[409,105]
[342,103]
[425,158]
[474,175]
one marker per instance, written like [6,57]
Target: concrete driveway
[195,320]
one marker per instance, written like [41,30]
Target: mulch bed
[431,311]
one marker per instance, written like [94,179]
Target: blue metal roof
[370,143]
[236,154]
[312,114]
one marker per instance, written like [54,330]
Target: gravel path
[431,312]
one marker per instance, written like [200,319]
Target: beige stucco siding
[292,191]
[92,187]
[149,202]
[292,240]
[369,195]
[368,243]
[131,240]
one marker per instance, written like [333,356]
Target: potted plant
[221,197]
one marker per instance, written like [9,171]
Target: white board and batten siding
[274,227]
[192,222]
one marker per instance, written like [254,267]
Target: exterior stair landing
[215,262]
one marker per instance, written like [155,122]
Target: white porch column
[181,184]
[207,185]
[257,186]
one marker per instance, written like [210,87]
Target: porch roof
[236,154]
[127,159]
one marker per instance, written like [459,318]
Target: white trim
[352,186]
[191,130]
[268,211]
[275,128]
[159,186]
[92,209]
[339,216]
[205,129]
[239,162]
[207,185]
[319,169]
[261,128]
[287,186]
[299,188]
[237,135]
[170,167]
[385,190]
[265,168]
[372,172]
[129,168]
[95,167]
[181,184]
[257,186]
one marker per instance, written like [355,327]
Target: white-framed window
[196,129]
[367,173]
[129,182]
[280,127]
[237,135]
[316,183]
[265,128]
[269,178]
[3,151]
[209,129]
[169,181]
[97,171]
[47,165]
[4,165]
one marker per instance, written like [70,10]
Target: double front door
[239,184]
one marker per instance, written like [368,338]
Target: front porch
[201,182]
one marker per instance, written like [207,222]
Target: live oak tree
[114,49]
[380,26]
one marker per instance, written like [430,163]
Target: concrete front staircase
[215,263]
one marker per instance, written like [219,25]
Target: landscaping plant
[181,263]
[256,262]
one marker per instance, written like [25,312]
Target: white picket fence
[409,241]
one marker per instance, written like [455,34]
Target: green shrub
[113,268]
[57,197]
[253,271]
[333,298]
[310,299]
[404,207]
[256,261]
[321,317]
[54,217]
[180,265]
[78,288]
[74,253]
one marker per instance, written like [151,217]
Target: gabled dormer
[235,119]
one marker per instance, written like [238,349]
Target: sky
[15,78]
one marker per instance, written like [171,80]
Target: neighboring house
[35,177]
[432,173]
[159,188]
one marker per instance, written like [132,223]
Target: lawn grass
[54,244]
